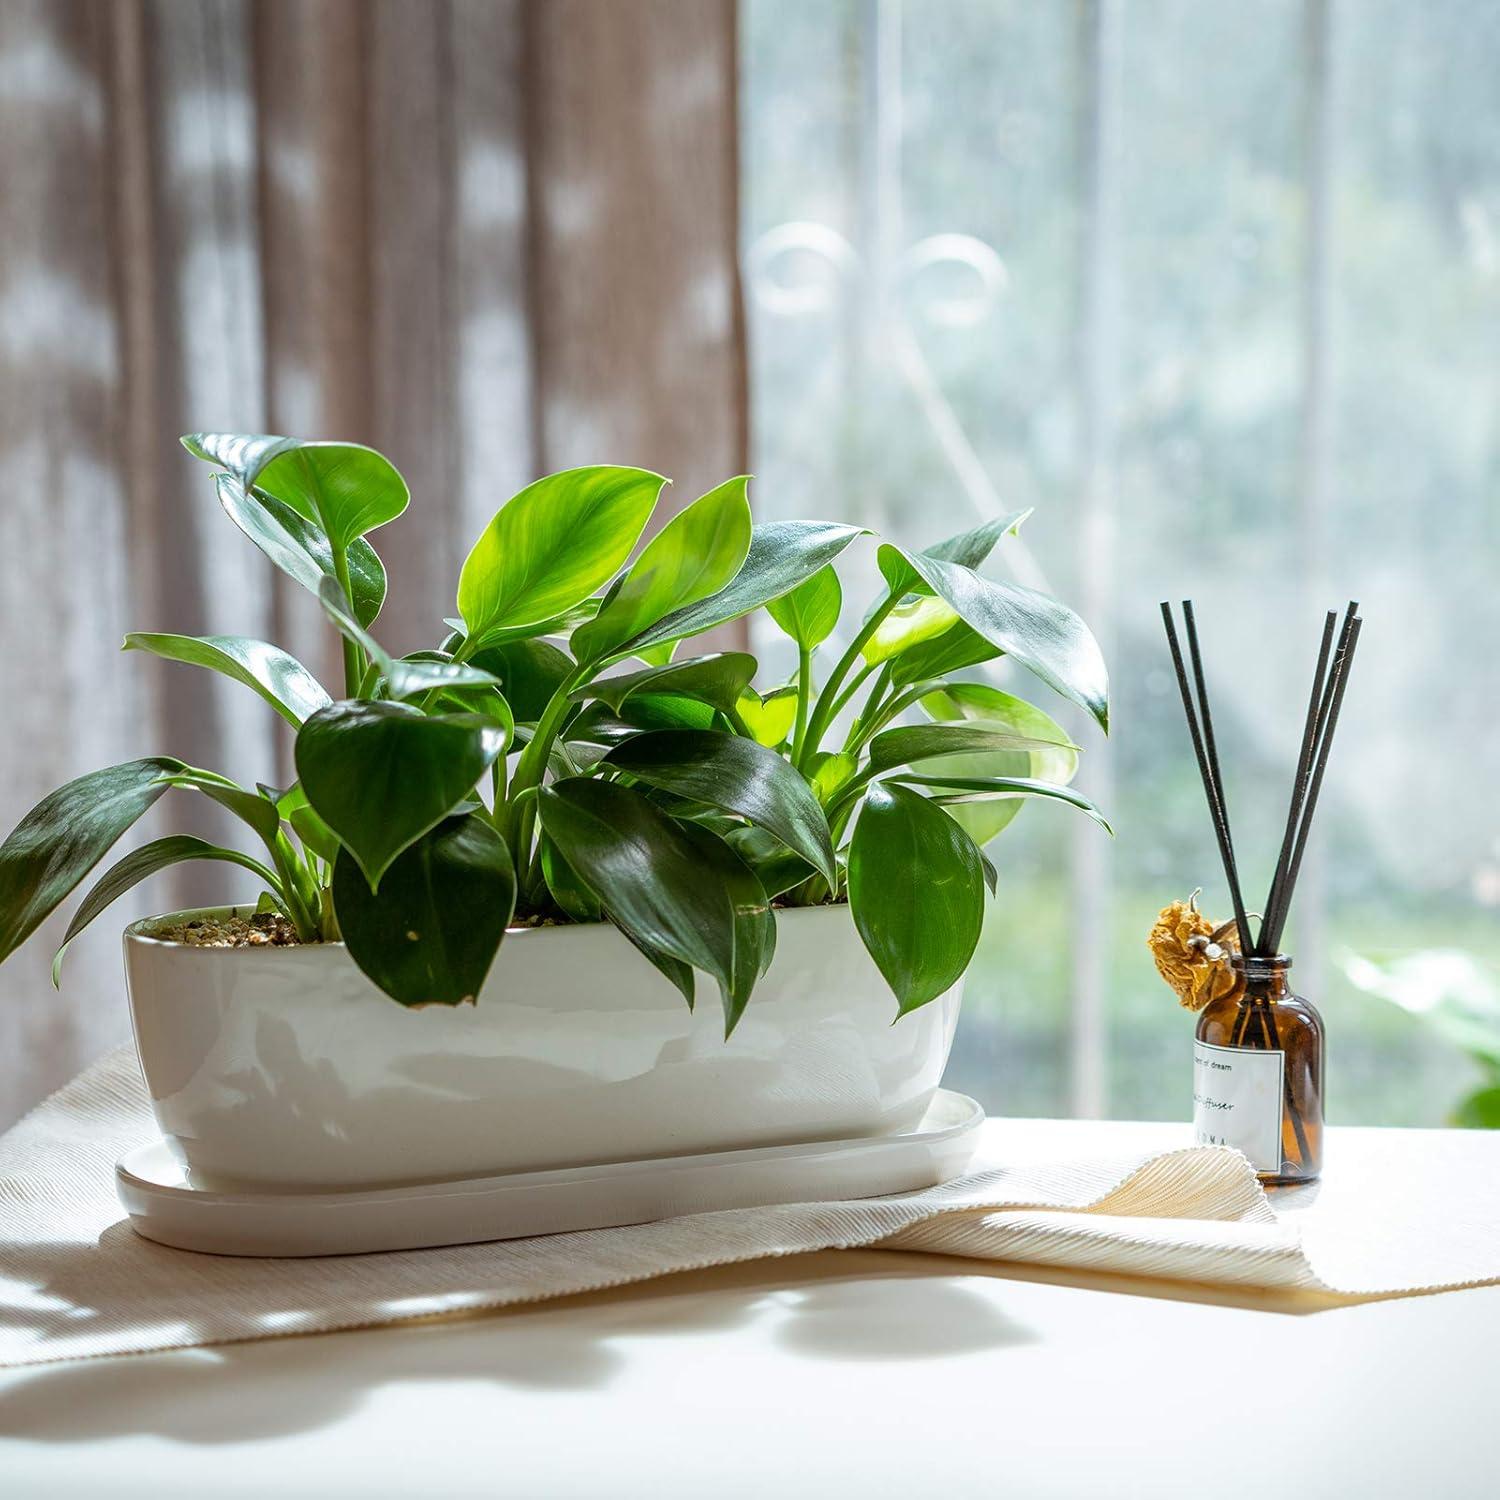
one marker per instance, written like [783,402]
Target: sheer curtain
[490,238]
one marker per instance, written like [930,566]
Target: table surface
[868,1373]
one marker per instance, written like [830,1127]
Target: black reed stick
[1299,784]
[1210,790]
[1276,908]
[1338,680]
[1211,746]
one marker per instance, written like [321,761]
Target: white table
[840,1374]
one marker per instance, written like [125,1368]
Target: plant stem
[828,700]
[532,765]
[354,662]
[867,726]
[804,691]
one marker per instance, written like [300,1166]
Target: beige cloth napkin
[76,1281]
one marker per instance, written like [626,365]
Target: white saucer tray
[165,1207]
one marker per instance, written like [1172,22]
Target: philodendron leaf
[961,789]
[915,742]
[782,555]
[809,613]
[769,719]
[694,555]
[280,679]
[754,926]
[530,674]
[381,774]
[551,546]
[570,893]
[970,548]
[430,933]
[773,864]
[916,887]
[299,549]
[644,871]
[831,771]
[137,866]
[958,647]
[66,834]
[257,809]
[345,489]
[913,621]
[977,702]
[738,776]
[423,672]
[1045,637]
[718,680]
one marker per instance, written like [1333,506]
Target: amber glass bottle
[1258,1073]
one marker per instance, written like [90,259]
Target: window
[1217,289]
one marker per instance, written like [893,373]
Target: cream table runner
[1396,1212]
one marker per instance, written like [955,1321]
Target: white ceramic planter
[286,1068]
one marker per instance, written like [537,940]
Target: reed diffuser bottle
[1258,1056]
[1258,1072]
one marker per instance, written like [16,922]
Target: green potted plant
[510,865]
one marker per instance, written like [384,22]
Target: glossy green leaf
[137,866]
[280,679]
[1045,637]
[65,835]
[970,548]
[772,863]
[299,549]
[811,611]
[737,775]
[260,812]
[831,771]
[694,555]
[345,489]
[958,647]
[677,973]
[754,926]
[960,789]
[910,743]
[551,546]
[782,555]
[718,680]
[570,893]
[381,774]
[769,719]
[530,673]
[644,871]
[430,933]
[978,702]
[916,888]
[912,622]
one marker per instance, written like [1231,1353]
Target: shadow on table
[818,1306]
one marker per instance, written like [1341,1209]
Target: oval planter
[285,1067]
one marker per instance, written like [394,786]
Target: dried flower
[1193,955]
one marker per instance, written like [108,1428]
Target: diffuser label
[1237,1101]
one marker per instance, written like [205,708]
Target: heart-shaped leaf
[719,680]
[345,489]
[782,555]
[809,613]
[947,790]
[958,647]
[139,865]
[694,555]
[1045,637]
[66,834]
[530,674]
[299,549]
[754,926]
[916,887]
[280,679]
[381,774]
[913,621]
[430,933]
[551,546]
[738,776]
[915,742]
[769,719]
[644,871]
